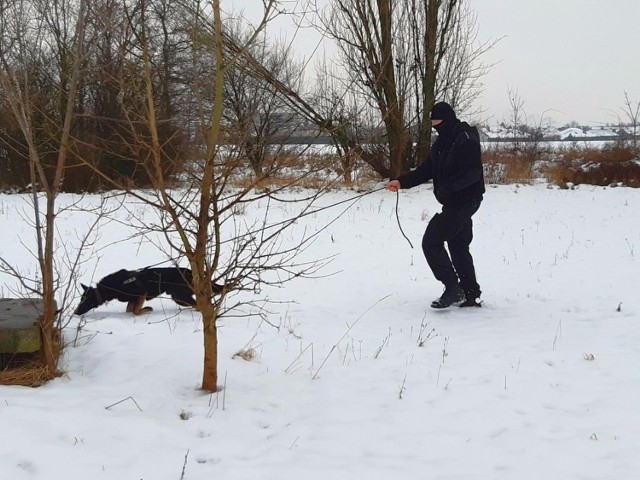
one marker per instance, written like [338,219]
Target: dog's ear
[84,287]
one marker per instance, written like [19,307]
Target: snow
[355,376]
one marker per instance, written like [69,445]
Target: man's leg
[441,228]
[463,261]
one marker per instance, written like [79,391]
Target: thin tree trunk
[47,325]
[208,202]
[429,81]
[48,322]
[395,115]
[210,332]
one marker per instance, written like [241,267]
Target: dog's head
[90,300]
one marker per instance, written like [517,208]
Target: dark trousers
[454,226]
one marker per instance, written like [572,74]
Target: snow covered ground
[356,377]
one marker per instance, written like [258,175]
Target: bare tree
[517,117]
[399,56]
[201,222]
[366,34]
[459,60]
[344,117]
[30,29]
[257,120]
[632,114]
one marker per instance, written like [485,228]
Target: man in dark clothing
[455,165]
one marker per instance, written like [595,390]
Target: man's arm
[420,175]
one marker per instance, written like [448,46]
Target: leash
[326,207]
[398,219]
[352,200]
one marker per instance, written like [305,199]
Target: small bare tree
[256,118]
[344,117]
[200,220]
[517,117]
[632,114]
[31,31]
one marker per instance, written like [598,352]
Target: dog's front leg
[136,307]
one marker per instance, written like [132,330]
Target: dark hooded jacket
[455,163]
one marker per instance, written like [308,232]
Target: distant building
[550,133]
[572,133]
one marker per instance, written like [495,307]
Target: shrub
[508,165]
[611,165]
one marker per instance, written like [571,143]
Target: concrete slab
[19,332]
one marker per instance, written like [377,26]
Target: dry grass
[27,369]
[508,166]
[613,153]
[519,171]
[571,165]
[609,166]
[247,354]
[312,171]
[280,181]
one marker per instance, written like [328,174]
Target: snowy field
[354,376]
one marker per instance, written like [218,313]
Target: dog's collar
[98,296]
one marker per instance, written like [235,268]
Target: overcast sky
[567,59]
[574,56]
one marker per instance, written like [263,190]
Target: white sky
[574,56]
[567,59]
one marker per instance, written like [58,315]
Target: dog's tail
[227,287]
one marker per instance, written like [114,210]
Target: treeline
[109,124]
[371,87]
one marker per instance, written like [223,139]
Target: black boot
[451,295]
[471,301]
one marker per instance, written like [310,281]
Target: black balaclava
[443,111]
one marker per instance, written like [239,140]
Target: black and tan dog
[137,286]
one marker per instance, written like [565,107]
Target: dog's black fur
[135,287]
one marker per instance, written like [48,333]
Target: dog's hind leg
[183,297]
[136,308]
